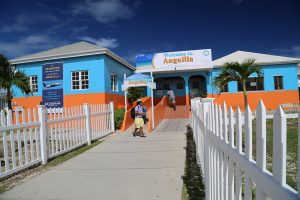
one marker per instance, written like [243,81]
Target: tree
[10,77]
[240,72]
[134,93]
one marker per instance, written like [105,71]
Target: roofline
[296,61]
[72,55]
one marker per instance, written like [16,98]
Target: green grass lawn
[292,146]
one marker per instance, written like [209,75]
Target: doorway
[197,86]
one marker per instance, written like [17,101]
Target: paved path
[122,167]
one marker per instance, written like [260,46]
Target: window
[278,82]
[80,80]
[166,86]
[113,82]
[179,86]
[224,88]
[33,82]
[253,84]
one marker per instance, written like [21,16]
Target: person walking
[138,120]
[171,96]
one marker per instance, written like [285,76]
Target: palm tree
[10,77]
[240,72]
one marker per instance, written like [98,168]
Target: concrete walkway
[122,167]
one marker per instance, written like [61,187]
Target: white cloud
[293,51]
[105,11]
[27,45]
[103,42]
[22,22]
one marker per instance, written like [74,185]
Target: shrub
[134,94]
[119,116]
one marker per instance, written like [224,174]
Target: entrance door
[197,85]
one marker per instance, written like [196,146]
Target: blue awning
[138,76]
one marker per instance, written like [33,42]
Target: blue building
[72,75]
[86,73]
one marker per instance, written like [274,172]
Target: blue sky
[132,27]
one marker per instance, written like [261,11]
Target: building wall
[112,66]
[271,97]
[99,91]
[182,96]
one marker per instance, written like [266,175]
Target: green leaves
[134,94]
[9,77]
[234,71]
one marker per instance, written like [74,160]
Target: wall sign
[180,60]
[53,95]
[138,83]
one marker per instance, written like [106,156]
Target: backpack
[132,112]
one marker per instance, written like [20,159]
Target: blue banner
[53,95]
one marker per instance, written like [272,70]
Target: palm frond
[21,81]
[235,71]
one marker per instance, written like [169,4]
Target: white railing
[33,136]
[224,150]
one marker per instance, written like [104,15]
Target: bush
[134,94]
[119,116]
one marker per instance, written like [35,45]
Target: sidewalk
[122,167]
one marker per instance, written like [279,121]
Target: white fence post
[112,116]
[43,133]
[87,114]
[206,103]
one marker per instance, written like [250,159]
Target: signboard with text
[53,95]
[170,61]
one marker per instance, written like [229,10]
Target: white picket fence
[226,160]
[33,136]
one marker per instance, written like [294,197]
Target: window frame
[257,82]
[116,85]
[31,84]
[80,80]
[282,83]
[225,89]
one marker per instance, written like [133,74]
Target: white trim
[296,61]
[72,55]
[31,84]
[116,89]
[80,80]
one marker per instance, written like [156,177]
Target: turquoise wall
[112,66]
[99,67]
[288,71]
[186,76]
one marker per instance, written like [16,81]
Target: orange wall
[74,99]
[159,110]
[271,99]
[119,100]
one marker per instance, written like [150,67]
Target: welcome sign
[180,60]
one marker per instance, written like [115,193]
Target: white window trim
[30,83]
[116,80]
[80,80]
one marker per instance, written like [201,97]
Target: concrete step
[180,112]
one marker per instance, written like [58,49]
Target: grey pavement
[122,167]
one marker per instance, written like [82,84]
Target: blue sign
[53,95]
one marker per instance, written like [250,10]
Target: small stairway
[182,111]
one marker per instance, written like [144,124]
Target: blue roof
[138,76]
